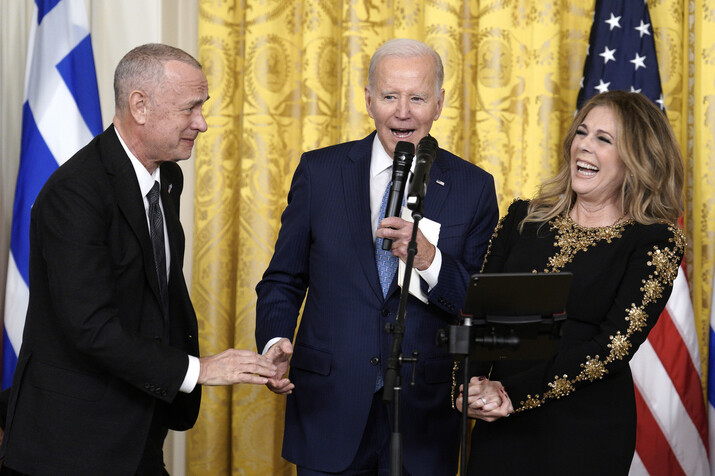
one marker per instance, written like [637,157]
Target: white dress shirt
[146,182]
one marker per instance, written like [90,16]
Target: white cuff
[431,274]
[269,344]
[192,375]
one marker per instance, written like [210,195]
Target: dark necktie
[156,231]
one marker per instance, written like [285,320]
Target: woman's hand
[486,400]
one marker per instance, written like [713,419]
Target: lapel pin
[439,182]
[169,189]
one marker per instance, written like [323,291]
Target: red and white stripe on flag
[672,434]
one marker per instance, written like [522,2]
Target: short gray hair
[406,48]
[143,68]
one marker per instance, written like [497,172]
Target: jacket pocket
[67,382]
[311,360]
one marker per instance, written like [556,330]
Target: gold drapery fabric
[287,76]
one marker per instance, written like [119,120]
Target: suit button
[385,313]
[375,360]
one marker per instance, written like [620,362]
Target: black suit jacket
[94,367]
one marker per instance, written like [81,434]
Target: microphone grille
[428,142]
[405,148]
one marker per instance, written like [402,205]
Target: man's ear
[138,106]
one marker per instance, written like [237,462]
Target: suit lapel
[170,191]
[356,186]
[437,188]
[129,200]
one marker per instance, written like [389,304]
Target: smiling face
[597,171]
[403,101]
[173,114]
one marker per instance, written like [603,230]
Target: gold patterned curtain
[287,76]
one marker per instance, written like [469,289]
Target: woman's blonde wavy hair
[652,190]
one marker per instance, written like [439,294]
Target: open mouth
[584,168]
[402,133]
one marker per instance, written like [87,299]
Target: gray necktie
[156,231]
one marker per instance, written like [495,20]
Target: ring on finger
[484,400]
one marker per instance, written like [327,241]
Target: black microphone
[417,188]
[404,152]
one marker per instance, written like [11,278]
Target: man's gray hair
[406,48]
[143,68]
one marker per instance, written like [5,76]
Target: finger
[253,379]
[281,387]
[459,403]
[265,370]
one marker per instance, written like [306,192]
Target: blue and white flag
[59,116]
[621,52]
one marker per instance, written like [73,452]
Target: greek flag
[59,116]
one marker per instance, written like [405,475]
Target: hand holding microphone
[404,152]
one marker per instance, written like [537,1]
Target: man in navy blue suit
[336,422]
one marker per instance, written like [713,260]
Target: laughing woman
[609,217]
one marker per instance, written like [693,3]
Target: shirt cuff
[269,344]
[192,375]
[431,274]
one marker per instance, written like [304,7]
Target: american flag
[60,115]
[672,432]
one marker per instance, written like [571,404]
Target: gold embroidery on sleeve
[570,239]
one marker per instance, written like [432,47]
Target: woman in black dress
[609,217]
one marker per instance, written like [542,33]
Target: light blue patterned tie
[386,261]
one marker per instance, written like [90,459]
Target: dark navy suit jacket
[325,247]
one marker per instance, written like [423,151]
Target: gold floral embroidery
[570,239]
[619,347]
[637,318]
[560,387]
[593,369]
[500,225]
[455,369]
[529,403]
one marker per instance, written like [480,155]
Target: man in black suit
[109,360]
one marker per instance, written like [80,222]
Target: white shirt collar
[146,180]
[380,160]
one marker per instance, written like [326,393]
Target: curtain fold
[286,76]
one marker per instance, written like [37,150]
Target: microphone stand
[393,386]
[459,341]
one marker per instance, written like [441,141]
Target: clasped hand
[234,366]
[487,400]
[280,354]
[400,232]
